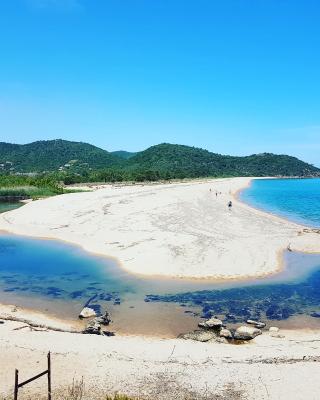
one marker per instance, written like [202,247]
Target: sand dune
[180,229]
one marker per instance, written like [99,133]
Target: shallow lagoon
[6,206]
[60,279]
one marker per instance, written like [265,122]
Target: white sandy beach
[266,368]
[178,229]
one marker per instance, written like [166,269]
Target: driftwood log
[34,326]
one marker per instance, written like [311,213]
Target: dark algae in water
[273,302]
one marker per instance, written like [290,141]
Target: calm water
[295,199]
[9,206]
[60,279]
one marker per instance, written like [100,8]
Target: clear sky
[233,76]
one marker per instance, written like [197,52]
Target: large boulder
[212,323]
[199,335]
[246,333]
[87,312]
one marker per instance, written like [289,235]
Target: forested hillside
[193,162]
[71,162]
[54,155]
[123,154]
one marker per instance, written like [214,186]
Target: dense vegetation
[187,161]
[123,154]
[54,154]
[49,164]
[21,186]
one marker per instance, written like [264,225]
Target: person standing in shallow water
[230,205]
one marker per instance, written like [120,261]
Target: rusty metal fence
[18,385]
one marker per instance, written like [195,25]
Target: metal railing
[18,385]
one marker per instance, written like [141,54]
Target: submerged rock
[212,323]
[246,333]
[199,335]
[87,312]
[315,314]
[257,324]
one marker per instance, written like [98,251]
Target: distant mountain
[123,154]
[77,160]
[53,155]
[188,161]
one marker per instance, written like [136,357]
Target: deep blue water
[295,199]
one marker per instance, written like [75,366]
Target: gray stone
[104,319]
[277,335]
[246,333]
[87,312]
[225,333]
[93,328]
[199,335]
[257,324]
[220,340]
[273,329]
[212,323]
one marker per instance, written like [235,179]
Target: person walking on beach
[230,205]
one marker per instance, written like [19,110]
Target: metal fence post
[49,376]
[16,383]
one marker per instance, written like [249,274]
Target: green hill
[123,154]
[75,161]
[185,161]
[54,155]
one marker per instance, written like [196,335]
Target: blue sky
[233,76]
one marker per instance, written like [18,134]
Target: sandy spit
[179,229]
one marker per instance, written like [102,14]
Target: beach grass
[159,390]
[33,192]
[26,191]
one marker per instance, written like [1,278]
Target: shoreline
[249,279]
[133,365]
[136,364]
[214,278]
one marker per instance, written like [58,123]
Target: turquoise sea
[295,199]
